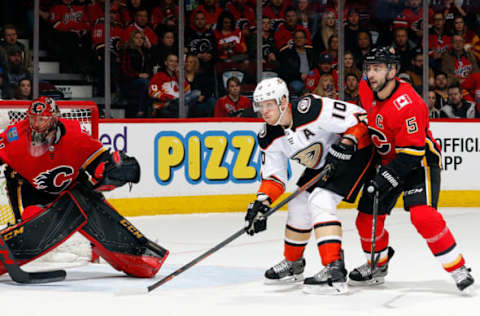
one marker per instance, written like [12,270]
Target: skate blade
[468,291]
[337,288]
[370,282]
[297,278]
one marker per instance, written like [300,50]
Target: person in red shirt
[232,104]
[242,12]
[165,16]
[471,89]
[164,89]
[458,63]
[438,40]
[231,45]
[324,66]
[141,24]
[212,12]
[284,34]
[275,10]
[57,172]
[98,43]
[71,28]
[410,163]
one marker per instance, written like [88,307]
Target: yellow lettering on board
[170,154]
[214,170]
[241,169]
[194,158]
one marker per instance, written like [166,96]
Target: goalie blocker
[113,237]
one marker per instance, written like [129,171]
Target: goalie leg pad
[45,230]
[116,239]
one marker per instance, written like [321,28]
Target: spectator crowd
[300,44]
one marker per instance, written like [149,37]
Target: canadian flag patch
[402,101]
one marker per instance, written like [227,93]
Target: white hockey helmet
[269,89]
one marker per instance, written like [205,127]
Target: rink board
[213,166]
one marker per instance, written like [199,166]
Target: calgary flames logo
[38,108]
[54,180]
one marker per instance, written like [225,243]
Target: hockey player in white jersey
[315,133]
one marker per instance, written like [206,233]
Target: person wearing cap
[323,67]
[10,38]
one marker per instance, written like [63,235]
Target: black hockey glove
[384,182]
[338,156]
[255,221]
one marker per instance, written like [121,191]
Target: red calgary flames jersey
[55,170]
[400,124]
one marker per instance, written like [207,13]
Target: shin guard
[431,225]
[44,230]
[116,240]
[364,227]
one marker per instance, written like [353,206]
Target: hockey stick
[131,291]
[20,276]
[373,260]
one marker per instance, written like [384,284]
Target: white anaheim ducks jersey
[317,123]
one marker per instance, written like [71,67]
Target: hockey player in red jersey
[315,133]
[410,163]
[55,173]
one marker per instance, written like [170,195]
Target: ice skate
[463,279]
[330,280]
[285,272]
[361,275]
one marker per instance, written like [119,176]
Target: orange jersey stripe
[271,188]
[360,133]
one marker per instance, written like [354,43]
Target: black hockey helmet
[382,55]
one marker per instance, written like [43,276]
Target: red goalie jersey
[53,171]
[400,124]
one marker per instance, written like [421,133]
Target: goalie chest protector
[56,169]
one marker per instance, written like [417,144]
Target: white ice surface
[230,282]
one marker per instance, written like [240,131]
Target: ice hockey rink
[230,282]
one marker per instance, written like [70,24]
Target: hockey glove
[385,181]
[338,156]
[117,171]
[255,221]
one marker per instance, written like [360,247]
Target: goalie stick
[20,276]
[325,173]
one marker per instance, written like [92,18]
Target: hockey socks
[295,242]
[329,240]
[431,225]
[364,227]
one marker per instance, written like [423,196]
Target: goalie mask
[43,115]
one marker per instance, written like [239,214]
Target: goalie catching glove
[114,172]
[255,221]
